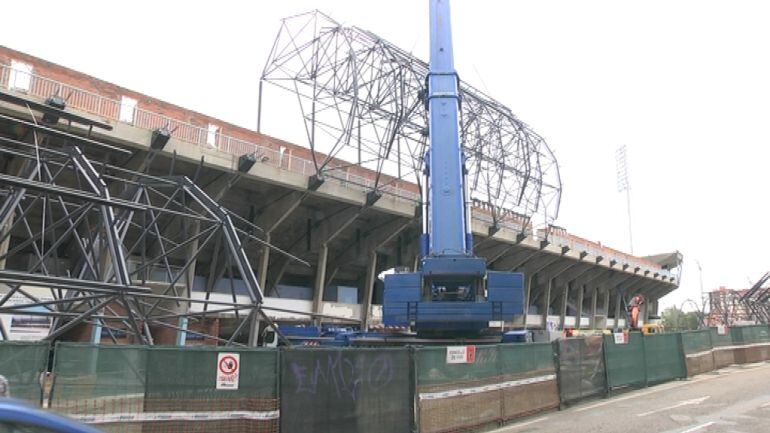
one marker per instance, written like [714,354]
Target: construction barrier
[344,390]
[229,389]
[462,387]
[167,389]
[426,389]
[23,365]
[664,358]
[722,344]
[625,361]
[99,384]
[529,375]
[581,369]
[753,343]
[698,352]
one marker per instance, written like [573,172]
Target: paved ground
[735,400]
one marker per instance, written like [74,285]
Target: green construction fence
[502,382]
[166,389]
[23,364]
[698,351]
[625,361]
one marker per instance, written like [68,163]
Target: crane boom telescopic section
[451,292]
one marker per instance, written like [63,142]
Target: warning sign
[460,354]
[621,337]
[228,370]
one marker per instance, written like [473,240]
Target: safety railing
[92,103]
[42,87]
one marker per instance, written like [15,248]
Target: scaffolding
[362,102]
[111,245]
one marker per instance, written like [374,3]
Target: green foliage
[675,319]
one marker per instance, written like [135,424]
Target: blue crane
[452,292]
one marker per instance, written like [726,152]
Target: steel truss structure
[729,307]
[362,101]
[114,247]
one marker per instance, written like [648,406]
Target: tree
[674,319]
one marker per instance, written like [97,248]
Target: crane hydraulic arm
[452,291]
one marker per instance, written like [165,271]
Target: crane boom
[451,292]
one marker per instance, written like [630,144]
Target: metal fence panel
[22,364]
[581,368]
[663,355]
[625,362]
[346,390]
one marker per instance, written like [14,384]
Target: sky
[682,84]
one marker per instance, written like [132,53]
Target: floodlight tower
[623,186]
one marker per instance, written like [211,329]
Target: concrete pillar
[564,303]
[264,261]
[320,277]
[618,304]
[527,296]
[546,301]
[181,336]
[594,295]
[371,276]
[579,314]
[606,307]
[254,330]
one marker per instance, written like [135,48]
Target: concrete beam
[564,303]
[592,318]
[528,282]
[579,313]
[373,240]
[514,255]
[278,211]
[371,276]
[577,270]
[330,229]
[546,303]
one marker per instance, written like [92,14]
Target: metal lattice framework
[362,102]
[115,247]
[730,307]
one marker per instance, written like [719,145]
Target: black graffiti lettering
[342,375]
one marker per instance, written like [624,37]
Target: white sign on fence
[460,354]
[621,337]
[228,370]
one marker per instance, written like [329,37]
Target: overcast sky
[685,85]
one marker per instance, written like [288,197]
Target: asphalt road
[735,400]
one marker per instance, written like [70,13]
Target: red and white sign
[460,354]
[228,370]
[721,330]
[621,337]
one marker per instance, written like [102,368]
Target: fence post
[682,356]
[413,389]
[556,350]
[607,390]
[643,338]
[500,392]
